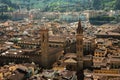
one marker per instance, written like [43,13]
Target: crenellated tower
[79,46]
[44,47]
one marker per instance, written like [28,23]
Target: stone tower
[44,47]
[79,46]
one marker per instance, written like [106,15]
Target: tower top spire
[79,28]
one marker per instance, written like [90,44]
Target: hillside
[53,5]
[7,5]
[106,4]
[62,5]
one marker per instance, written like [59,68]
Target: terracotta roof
[71,55]
[70,60]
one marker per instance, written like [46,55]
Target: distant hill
[106,4]
[62,5]
[53,5]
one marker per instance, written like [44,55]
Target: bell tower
[79,46]
[44,47]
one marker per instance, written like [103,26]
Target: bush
[4,17]
[99,20]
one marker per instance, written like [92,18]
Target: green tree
[97,4]
[117,5]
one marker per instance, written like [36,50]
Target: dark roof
[54,50]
